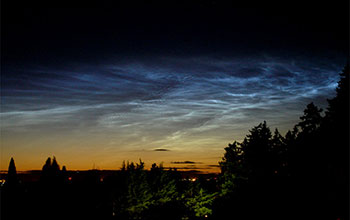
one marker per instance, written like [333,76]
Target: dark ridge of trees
[301,175]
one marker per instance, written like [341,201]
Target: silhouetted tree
[337,120]
[336,140]
[11,194]
[232,160]
[51,173]
[279,154]
[232,170]
[290,142]
[55,168]
[64,174]
[311,120]
[164,186]
[47,167]
[136,197]
[12,179]
[251,174]
[256,149]
[337,110]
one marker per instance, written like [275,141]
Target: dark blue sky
[119,81]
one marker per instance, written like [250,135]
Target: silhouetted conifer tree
[232,170]
[256,148]
[11,195]
[64,174]
[12,174]
[338,110]
[311,120]
[51,172]
[64,169]
[55,168]
[336,141]
[47,165]
[278,154]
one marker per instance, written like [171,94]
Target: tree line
[301,175]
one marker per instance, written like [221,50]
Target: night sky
[98,83]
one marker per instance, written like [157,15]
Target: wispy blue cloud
[173,103]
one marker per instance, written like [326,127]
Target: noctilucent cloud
[168,109]
[167,82]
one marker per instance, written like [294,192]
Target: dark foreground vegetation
[302,175]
